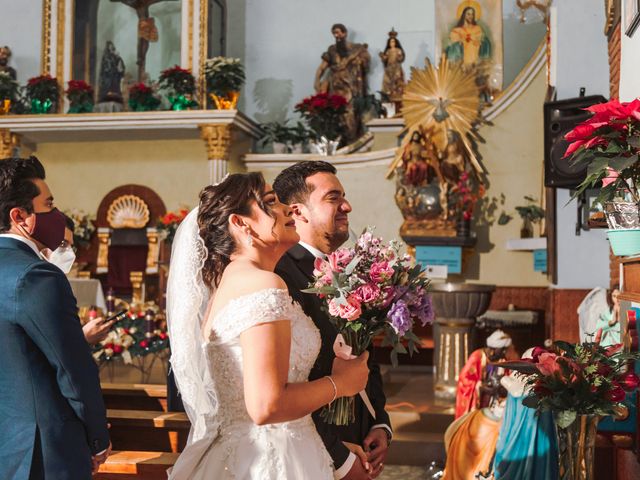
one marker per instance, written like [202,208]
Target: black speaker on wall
[559,118]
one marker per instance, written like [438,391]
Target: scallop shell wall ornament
[128,211]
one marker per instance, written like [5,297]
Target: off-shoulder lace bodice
[239,449]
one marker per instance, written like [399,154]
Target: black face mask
[49,229]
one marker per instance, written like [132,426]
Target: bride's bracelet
[335,388]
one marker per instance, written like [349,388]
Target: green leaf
[597,165]
[352,265]
[634,141]
[620,163]
[399,347]
[394,358]
[565,418]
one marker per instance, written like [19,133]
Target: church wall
[629,64]
[579,61]
[25,40]
[284,42]
[81,174]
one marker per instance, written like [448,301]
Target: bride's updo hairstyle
[234,194]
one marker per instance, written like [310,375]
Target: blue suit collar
[12,243]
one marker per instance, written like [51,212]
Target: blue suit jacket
[52,415]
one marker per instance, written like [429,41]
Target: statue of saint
[5,56]
[147,30]
[346,65]
[392,58]
[417,160]
[111,73]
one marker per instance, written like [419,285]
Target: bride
[241,349]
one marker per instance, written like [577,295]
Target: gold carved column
[217,138]
[9,143]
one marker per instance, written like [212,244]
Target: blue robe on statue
[527,448]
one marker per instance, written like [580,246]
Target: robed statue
[343,71]
[111,73]
[392,58]
[5,56]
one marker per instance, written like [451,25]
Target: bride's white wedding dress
[232,446]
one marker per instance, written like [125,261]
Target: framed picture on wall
[631,18]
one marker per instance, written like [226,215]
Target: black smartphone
[116,317]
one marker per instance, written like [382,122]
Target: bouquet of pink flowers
[371,289]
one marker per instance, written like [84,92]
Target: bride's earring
[249,239]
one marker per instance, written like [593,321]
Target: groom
[320,210]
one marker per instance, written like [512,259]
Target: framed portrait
[631,17]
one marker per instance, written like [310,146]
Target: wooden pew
[136,465]
[135,396]
[143,430]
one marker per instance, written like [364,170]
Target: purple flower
[399,317]
[422,308]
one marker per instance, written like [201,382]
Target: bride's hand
[350,375]
[360,453]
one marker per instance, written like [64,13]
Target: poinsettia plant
[80,95]
[43,93]
[142,98]
[571,379]
[608,144]
[323,112]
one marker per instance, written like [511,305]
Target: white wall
[285,39]
[629,63]
[579,60]
[21,29]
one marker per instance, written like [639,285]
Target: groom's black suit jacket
[296,268]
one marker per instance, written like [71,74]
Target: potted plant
[282,137]
[43,94]
[142,98]
[9,92]
[80,96]
[225,77]
[530,213]
[466,194]
[608,144]
[180,85]
[579,384]
[323,113]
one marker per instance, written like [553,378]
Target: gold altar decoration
[217,139]
[8,143]
[5,106]
[438,173]
[225,102]
[128,211]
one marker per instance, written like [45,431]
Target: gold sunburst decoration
[440,100]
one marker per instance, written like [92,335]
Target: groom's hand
[376,445]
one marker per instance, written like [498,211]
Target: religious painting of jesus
[470,33]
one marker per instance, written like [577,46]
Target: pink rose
[389,293]
[349,311]
[367,293]
[339,259]
[322,271]
[548,364]
[380,271]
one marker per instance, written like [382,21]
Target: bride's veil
[187,299]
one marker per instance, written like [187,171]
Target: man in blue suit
[52,415]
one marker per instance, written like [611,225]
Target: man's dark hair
[340,27]
[17,189]
[291,186]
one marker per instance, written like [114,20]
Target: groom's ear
[299,212]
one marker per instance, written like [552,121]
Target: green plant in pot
[9,92]
[530,213]
[80,96]
[283,137]
[608,144]
[225,77]
[43,94]
[180,86]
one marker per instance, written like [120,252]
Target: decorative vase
[228,101]
[526,231]
[624,242]
[622,215]
[41,106]
[576,446]
[5,106]
[324,146]
[182,102]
